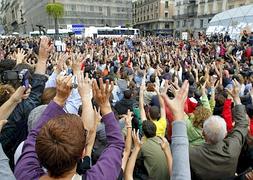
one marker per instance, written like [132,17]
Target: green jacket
[219,161]
[195,134]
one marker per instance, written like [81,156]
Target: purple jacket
[108,165]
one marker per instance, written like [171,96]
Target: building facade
[12,16]
[193,16]
[86,12]
[153,16]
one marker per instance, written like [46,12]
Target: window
[192,22]
[166,15]
[91,8]
[100,9]
[166,4]
[167,25]
[184,23]
[73,7]
[201,23]
[178,24]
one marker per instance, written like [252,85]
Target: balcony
[192,1]
[189,2]
[192,14]
[189,14]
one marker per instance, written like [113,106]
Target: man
[217,158]
[152,154]
[126,103]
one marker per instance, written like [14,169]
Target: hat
[34,116]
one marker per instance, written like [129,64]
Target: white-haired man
[217,158]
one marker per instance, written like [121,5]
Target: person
[56,128]
[244,38]
[180,143]
[226,37]
[152,154]
[188,113]
[126,103]
[220,151]
[15,131]
[5,111]
[156,114]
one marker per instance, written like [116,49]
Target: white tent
[233,21]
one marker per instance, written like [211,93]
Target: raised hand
[176,105]
[164,143]
[20,56]
[234,93]
[76,62]
[84,86]
[203,88]
[102,95]
[60,62]
[128,119]
[137,142]
[20,94]
[63,89]
[45,48]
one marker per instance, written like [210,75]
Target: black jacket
[15,131]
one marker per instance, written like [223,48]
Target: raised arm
[204,99]
[141,100]
[166,149]
[128,142]
[240,129]
[44,52]
[7,108]
[128,175]
[161,101]
[28,166]
[109,163]
[180,143]
[85,91]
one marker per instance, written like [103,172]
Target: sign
[78,29]
[185,35]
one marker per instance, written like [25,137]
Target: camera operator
[15,131]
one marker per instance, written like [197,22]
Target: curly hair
[200,115]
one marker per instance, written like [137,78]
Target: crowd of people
[152,108]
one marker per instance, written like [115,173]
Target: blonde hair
[200,115]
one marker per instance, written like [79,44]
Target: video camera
[22,77]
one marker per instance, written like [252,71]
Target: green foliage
[128,25]
[55,10]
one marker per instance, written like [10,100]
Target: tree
[55,10]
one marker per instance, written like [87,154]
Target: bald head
[214,129]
